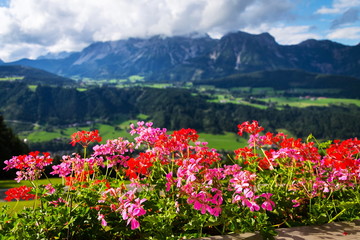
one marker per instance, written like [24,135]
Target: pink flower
[297,203]
[252,205]
[30,166]
[76,164]
[56,202]
[126,203]
[113,151]
[50,188]
[63,169]
[134,223]
[169,181]
[147,134]
[101,218]
[133,210]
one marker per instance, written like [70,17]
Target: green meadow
[15,207]
[312,101]
[11,78]
[280,101]
[106,131]
[227,141]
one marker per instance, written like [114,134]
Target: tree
[10,145]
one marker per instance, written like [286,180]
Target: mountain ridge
[187,58]
[32,75]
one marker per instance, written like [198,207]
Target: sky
[32,28]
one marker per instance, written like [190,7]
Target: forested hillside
[32,75]
[348,87]
[171,108]
[10,146]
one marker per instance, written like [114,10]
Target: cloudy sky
[31,28]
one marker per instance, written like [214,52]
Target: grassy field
[227,141]
[106,131]
[15,207]
[312,101]
[11,78]
[282,101]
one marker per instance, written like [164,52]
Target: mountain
[32,75]
[201,57]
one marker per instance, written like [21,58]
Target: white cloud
[293,34]
[69,25]
[345,33]
[20,50]
[339,6]
[286,35]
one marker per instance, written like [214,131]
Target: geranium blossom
[251,128]
[30,166]
[126,203]
[76,164]
[140,165]
[84,138]
[175,177]
[114,151]
[19,193]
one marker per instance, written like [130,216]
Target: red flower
[185,135]
[79,178]
[343,154]
[84,138]
[245,153]
[19,193]
[104,181]
[251,128]
[139,165]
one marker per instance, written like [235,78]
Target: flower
[126,203]
[50,189]
[251,128]
[101,218]
[19,193]
[30,166]
[176,173]
[84,138]
[139,165]
[76,164]
[58,201]
[268,204]
[114,151]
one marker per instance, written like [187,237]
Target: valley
[47,136]
[177,82]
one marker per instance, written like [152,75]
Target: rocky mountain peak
[183,57]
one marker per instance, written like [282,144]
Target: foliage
[10,145]
[170,108]
[32,75]
[179,188]
[289,80]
